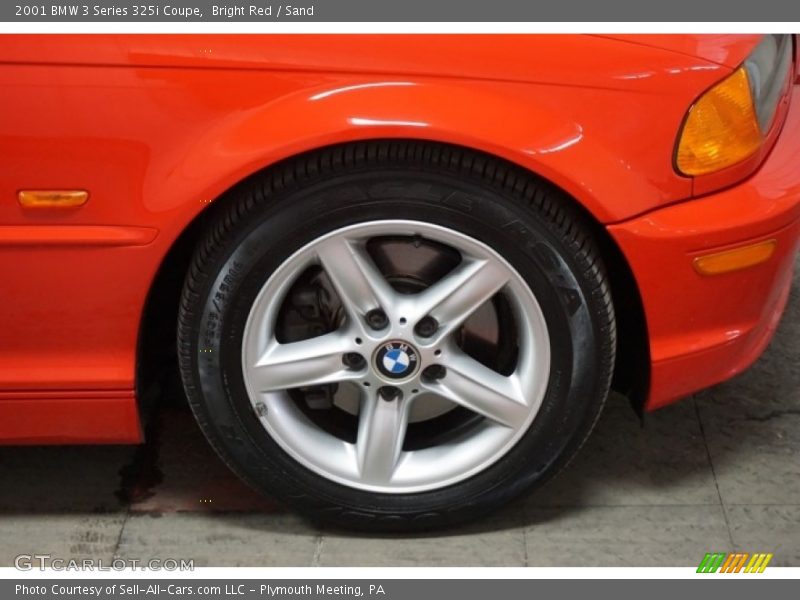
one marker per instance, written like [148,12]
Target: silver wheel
[395,359]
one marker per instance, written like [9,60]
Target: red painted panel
[154,145]
[69,418]
[706,329]
[157,127]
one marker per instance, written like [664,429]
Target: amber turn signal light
[721,128]
[736,259]
[52,198]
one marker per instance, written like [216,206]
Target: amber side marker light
[736,259]
[52,198]
[721,128]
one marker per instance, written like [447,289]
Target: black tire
[534,226]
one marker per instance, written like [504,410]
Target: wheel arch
[156,358]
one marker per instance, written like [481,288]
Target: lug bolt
[434,372]
[353,360]
[377,319]
[426,327]
[390,393]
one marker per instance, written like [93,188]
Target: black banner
[732,587]
[399,11]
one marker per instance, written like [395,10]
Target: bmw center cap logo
[396,360]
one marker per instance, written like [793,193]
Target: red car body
[155,128]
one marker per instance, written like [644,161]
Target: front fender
[539,127]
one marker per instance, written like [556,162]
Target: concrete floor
[717,472]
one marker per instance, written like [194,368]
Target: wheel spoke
[482,390]
[381,430]
[361,287]
[314,361]
[454,298]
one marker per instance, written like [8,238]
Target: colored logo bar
[737,562]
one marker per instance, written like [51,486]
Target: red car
[399,274]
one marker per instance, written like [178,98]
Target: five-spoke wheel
[397,350]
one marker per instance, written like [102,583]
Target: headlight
[768,68]
[728,123]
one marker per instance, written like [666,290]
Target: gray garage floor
[717,472]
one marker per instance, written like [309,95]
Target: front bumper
[705,329]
